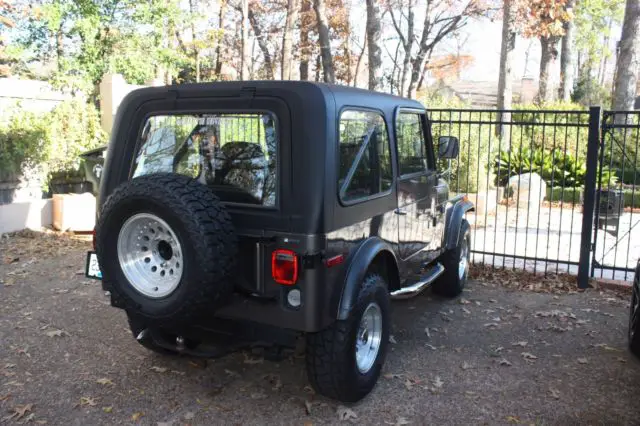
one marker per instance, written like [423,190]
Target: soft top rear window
[234,153]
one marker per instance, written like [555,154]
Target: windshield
[235,154]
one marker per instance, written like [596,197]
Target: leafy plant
[555,168]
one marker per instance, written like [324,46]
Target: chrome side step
[425,281]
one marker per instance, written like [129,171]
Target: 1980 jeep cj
[243,212]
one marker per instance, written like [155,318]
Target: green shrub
[631,198]
[50,142]
[567,195]
[554,167]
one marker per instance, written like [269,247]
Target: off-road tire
[634,315]
[450,283]
[205,233]
[330,357]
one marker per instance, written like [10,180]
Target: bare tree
[373,44]
[262,43]
[325,44]
[442,18]
[406,40]
[628,58]
[305,48]
[244,60]
[287,39]
[219,38]
[566,57]
[505,78]
[548,58]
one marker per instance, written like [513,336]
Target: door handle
[401,212]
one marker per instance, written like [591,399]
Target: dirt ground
[494,356]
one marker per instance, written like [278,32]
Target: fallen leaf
[252,361]
[400,421]
[426,331]
[308,406]
[55,333]
[345,413]
[433,348]
[231,373]
[466,311]
[437,382]
[274,380]
[496,319]
[512,419]
[491,325]
[465,366]
[158,369]
[392,339]
[5,397]
[87,400]
[521,344]
[582,361]
[392,376]
[20,410]
[190,415]
[104,381]
[464,301]
[107,409]
[493,301]
[528,355]
[606,347]
[555,393]
[622,360]
[136,416]
[504,362]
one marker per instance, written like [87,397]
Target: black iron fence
[554,190]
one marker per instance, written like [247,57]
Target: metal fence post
[588,209]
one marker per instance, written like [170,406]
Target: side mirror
[448,147]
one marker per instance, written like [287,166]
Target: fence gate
[616,237]
[554,190]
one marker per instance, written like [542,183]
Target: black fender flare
[458,206]
[356,270]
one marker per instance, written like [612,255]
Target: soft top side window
[234,153]
[411,143]
[365,160]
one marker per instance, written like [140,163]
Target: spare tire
[166,247]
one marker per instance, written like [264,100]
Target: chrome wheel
[369,338]
[463,264]
[150,255]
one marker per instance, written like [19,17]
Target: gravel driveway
[495,356]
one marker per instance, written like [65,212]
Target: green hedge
[573,195]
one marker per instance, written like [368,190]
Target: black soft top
[308,112]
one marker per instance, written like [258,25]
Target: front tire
[344,361]
[634,315]
[456,265]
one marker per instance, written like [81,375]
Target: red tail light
[284,267]
[93,239]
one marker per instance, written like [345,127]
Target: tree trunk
[373,43]
[325,44]
[505,78]
[223,11]
[305,53]
[566,58]
[548,58]
[59,47]
[628,58]
[262,43]
[359,61]
[287,39]
[244,60]
[318,67]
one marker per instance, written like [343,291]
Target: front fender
[455,213]
[356,270]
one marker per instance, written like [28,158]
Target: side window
[365,160]
[412,147]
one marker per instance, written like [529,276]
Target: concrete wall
[28,214]
[33,95]
[113,88]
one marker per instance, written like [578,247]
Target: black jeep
[254,213]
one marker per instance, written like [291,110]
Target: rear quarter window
[235,153]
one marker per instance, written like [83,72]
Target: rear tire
[456,265]
[340,361]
